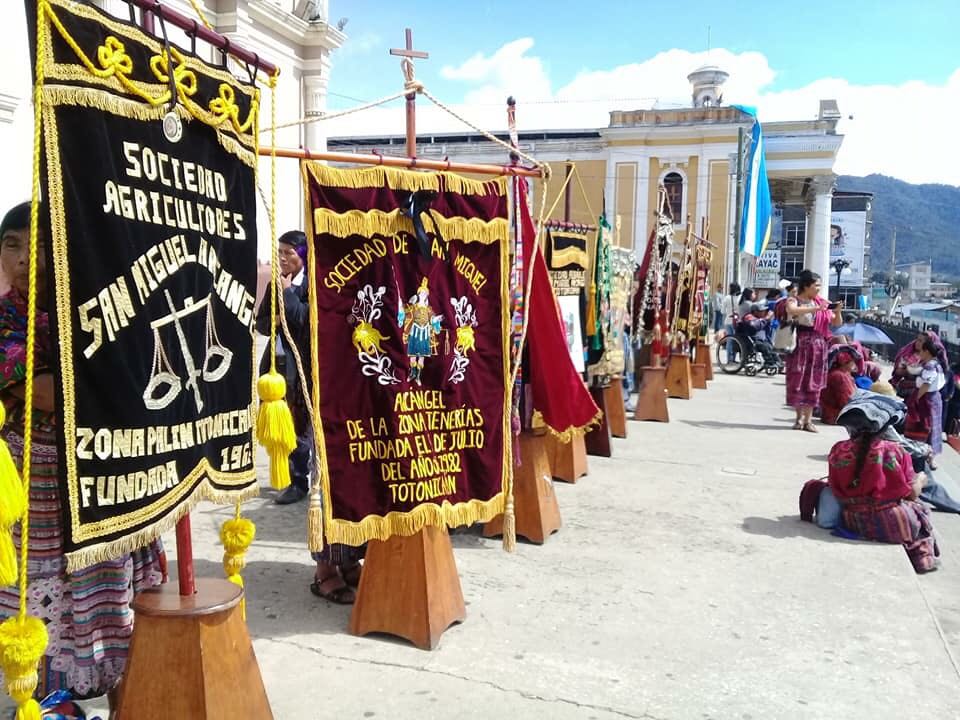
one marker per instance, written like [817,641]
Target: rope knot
[113,57]
[183,76]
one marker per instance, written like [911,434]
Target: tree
[880,277]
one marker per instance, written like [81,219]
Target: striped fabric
[87,613]
[898,521]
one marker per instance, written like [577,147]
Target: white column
[314,86]
[817,251]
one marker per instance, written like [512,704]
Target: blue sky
[864,43]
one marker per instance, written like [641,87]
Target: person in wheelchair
[753,326]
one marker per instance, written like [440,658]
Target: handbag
[785,338]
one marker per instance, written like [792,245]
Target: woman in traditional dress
[840,386]
[906,365]
[925,405]
[875,483]
[807,364]
[87,612]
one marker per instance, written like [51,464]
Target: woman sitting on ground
[875,483]
[840,386]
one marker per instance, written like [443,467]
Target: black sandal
[341,595]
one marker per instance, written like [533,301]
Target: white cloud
[901,130]
[363,44]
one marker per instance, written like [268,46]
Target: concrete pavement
[682,586]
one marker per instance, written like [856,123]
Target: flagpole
[739,217]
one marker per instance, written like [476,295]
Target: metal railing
[903,334]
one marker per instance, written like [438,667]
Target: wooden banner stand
[534,502]
[616,412]
[698,376]
[409,588]
[568,461]
[679,380]
[191,657]
[652,395]
[704,357]
[597,439]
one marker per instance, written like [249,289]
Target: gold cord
[274,245]
[199,11]
[32,307]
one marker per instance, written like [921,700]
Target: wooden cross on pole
[408,53]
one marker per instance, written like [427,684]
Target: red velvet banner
[409,273]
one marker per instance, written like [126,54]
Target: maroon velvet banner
[409,276]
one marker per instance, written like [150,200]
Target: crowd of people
[880,483]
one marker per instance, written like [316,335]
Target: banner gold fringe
[108,551]
[377,222]
[54,95]
[383,527]
[567,434]
[400,179]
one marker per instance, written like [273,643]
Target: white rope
[307,120]
[543,167]
[412,85]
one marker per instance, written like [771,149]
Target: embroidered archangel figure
[421,330]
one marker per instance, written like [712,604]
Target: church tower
[707,83]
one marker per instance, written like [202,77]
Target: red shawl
[558,390]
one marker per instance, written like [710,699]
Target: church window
[673,184]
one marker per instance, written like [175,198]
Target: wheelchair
[740,352]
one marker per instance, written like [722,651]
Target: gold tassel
[315,520]
[13,504]
[237,535]
[23,642]
[275,427]
[509,525]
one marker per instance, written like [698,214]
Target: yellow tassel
[509,525]
[8,560]
[13,504]
[275,427]
[315,521]
[237,535]
[22,644]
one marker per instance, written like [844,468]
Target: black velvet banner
[152,265]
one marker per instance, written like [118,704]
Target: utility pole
[893,256]
[739,216]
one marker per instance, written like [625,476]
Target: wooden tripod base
[698,376]
[679,380]
[534,502]
[191,657]
[409,588]
[703,356]
[652,395]
[568,461]
[597,439]
[616,413]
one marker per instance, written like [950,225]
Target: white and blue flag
[757,217]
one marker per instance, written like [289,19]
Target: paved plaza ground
[682,586]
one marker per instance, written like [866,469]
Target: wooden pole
[403,162]
[201,32]
[408,53]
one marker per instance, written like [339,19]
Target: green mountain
[927,218]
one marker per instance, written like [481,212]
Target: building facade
[295,35]
[692,152]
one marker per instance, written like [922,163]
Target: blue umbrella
[863,333]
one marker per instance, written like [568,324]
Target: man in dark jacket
[293,286]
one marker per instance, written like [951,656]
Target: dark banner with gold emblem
[152,262]
[411,327]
